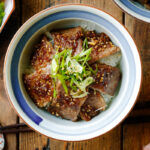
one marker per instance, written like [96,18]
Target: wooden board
[32,141]
[123,137]
[140,31]
[106,5]
[31,7]
[109,141]
[8,116]
[136,136]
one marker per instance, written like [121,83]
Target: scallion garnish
[85,44]
[74,70]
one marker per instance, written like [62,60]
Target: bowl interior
[25,60]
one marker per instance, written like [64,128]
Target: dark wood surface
[132,134]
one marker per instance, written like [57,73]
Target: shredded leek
[78,94]
[55,67]
[82,85]
[85,44]
[74,70]
[55,92]
[61,78]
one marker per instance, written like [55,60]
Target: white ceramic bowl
[135,9]
[9,8]
[17,58]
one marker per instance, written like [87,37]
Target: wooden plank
[32,141]
[108,141]
[111,140]
[140,31]
[66,1]
[136,136]
[31,7]
[106,5]
[8,116]
[140,112]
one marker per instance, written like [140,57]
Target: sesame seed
[88,110]
[89,117]
[72,103]
[57,114]
[57,105]
[83,109]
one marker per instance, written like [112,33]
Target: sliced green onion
[82,85]
[87,56]
[74,66]
[73,69]
[82,54]
[54,66]
[61,78]
[78,94]
[58,55]
[85,44]
[94,72]
[85,53]
[54,92]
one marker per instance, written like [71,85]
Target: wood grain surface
[136,136]
[140,31]
[8,116]
[132,134]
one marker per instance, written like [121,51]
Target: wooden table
[132,134]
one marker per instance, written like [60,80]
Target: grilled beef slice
[92,106]
[42,54]
[39,86]
[106,79]
[64,105]
[101,46]
[69,38]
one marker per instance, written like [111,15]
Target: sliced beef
[66,106]
[69,38]
[42,54]
[101,46]
[39,86]
[106,79]
[93,105]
